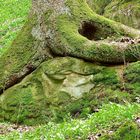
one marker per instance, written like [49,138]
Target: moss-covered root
[80,32]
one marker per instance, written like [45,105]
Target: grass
[12,18]
[107,119]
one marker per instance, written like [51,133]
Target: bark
[66,28]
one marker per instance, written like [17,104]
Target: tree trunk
[66,28]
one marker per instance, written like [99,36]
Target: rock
[138,121]
[66,85]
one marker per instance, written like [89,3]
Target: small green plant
[112,117]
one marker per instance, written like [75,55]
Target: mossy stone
[61,86]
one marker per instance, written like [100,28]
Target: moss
[132,72]
[38,96]
[79,46]
[98,5]
[131,76]
[127,131]
[25,108]
[106,77]
[63,86]
[91,102]
[19,54]
[126,12]
[64,39]
[67,85]
[70,42]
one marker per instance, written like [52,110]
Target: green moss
[132,72]
[23,106]
[106,77]
[126,12]
[127,131]
[37,98]
[70,42]
[63,86]
[98,5]
[19,54]
[132,80]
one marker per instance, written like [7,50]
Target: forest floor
[104,122]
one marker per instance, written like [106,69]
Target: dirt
[7,128]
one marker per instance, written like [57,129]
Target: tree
[66,28]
